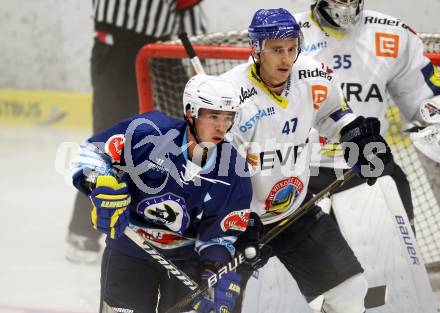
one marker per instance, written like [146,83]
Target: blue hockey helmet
[273,24]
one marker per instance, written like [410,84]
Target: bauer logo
[407,239]
[237,220]
[114,147]
[387,45]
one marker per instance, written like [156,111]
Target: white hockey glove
[427,139]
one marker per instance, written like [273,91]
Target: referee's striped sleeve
[155,18]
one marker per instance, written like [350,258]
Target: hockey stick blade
[375,297]
[159,258]
[281,226]
[195,61]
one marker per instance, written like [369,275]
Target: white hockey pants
[347,297]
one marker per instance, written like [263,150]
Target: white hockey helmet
[209,92]
[340,14]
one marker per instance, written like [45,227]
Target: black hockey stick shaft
[195,61]
[280,227]
[159,258]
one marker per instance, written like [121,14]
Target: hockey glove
[249,243]
[110,200]
[363,136]
[223,296]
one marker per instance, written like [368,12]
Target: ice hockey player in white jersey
[373,55]
[284,95]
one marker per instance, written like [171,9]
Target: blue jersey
[179,207]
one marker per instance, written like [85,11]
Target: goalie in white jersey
[284,96]
[374,55]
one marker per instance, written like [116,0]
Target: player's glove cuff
[110,200]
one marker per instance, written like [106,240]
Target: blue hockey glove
[223,296]
[373,149]
[110,200]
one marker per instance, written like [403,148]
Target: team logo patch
[429,111]
[237,220]
[387,45]
[167,209]
[283,194]
[114,147]
[162,238]
[319,94]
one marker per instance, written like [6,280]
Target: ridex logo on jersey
[313,73]
[385,21]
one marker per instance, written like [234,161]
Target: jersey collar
[282,101]
[184,150]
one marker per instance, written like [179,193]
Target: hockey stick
[280,227]
[159,258]
[195,61]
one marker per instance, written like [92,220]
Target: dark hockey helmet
[339,14]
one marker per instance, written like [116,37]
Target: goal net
[164,68]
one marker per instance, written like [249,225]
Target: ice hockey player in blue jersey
[181,186]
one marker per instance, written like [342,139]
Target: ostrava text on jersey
[380,54]
[280,167]
[177,206]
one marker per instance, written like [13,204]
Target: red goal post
[167,51]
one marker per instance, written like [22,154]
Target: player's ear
[255,54]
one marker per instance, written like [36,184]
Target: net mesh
[169,77]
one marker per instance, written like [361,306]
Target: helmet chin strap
[193,131]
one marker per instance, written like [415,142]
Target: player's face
[212,125]
[276,60]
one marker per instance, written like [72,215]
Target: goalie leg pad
[374,222]
[347,297]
